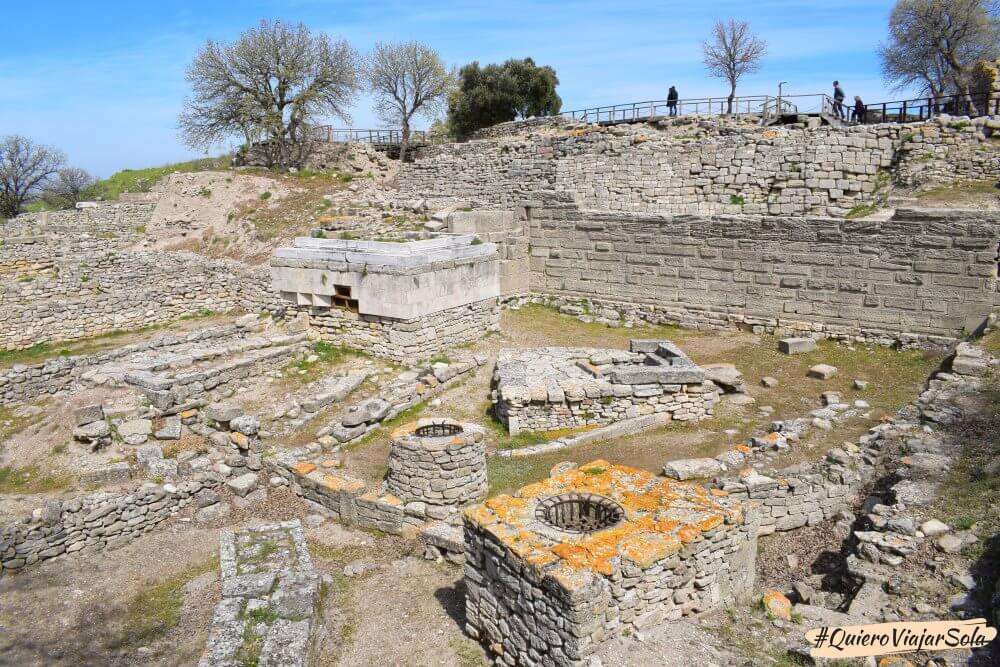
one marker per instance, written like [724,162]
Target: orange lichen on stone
[660,515]
[335,483]
[480,515]
[507,508]
[645,549]
[389,499]
[710,522]
[743,448]
[304,467]
[777,605]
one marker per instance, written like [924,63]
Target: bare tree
[732,52]
[270,85]
[407,79]
[68,187]
[25,168]
[937,42]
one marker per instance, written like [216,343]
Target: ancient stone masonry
[65,282]
[172,392]
[24,382]
[271,599]
[103,219]
[94,522]
[924,274]
[437,461]
[397,300]
[428,481]
[707,166]
[506,230]
[551,388]
[592,553]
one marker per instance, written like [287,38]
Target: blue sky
[104,81]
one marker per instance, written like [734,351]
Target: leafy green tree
[500,93]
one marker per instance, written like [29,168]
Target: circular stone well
[437,461]
[579,512]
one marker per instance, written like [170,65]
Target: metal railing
[635,111]
[767,107]
[916,109]
[378,137]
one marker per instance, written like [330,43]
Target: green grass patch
[156,609]
[959,192]
[967,499]
[467,652]
[264,196]
[737,200]
[31,479]
[861,210]
[141,180]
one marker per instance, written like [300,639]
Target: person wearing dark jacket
[838,101]
[672,101]
[859,111]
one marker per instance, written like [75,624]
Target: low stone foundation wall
[174,392]
[24,382]
[404,340]
[95,522]
[545,389]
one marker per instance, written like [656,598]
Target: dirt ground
[198,205]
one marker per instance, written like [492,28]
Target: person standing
[672,101]
[858,114]
[838,101]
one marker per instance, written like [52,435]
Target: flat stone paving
[270,598]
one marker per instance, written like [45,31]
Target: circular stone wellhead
[579,512]
[437,461]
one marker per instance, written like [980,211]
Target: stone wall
[537,594]
[930,274]
[509,233]
[121,219]
[707,166]
[71,274]
[93,523]
[24,382]
[402,340]
[440,468]
[549,388]
[132,290]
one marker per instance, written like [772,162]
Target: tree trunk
[961,83]
[732,95]
[404,144]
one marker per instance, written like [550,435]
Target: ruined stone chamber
[438,462]
[569,563]
[394,300]
[550,388]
